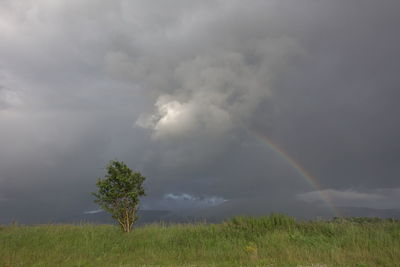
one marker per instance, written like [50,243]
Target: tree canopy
[119,192]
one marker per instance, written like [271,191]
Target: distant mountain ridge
[214,215]
[218,213]
[102,217]
[369,212]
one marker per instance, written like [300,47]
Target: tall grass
[274,240]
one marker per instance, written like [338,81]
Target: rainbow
[310,179]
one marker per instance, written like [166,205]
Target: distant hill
[218,213]
[299,210]
[368,212]
[145,217]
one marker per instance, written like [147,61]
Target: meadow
[274,240]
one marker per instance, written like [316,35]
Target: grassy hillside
[275,240]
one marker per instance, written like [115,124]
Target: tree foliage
[119,192]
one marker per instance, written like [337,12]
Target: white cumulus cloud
[187,201]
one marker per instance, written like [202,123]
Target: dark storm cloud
[343,109]
[176,89]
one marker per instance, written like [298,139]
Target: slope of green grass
[275,240]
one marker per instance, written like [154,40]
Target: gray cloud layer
[176,89]
[382,198]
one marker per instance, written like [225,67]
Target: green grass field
[275,240]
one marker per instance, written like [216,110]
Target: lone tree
[119,192]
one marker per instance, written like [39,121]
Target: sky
[189,92]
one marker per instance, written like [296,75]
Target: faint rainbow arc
[310,179]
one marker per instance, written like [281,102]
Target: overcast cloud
[177,88]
